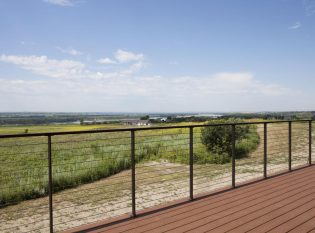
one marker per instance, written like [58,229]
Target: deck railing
[275,137]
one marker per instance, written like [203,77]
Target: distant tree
[81,121]
[218,139]
[145,117]
[26,131]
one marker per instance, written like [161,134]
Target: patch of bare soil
[157,183]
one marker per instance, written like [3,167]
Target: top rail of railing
[142,128]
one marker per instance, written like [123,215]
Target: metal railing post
[233,155]
[310,143]
[290,145]
[191,163]
[50,187]
[265,150]
[133,174]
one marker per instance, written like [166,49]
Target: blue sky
[157,56]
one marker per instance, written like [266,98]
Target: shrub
[218,139]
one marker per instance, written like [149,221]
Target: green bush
[218,140]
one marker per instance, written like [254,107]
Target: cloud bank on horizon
[71,78]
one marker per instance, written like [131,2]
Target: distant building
[164,119]
[137,122]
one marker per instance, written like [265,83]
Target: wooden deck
[285,203]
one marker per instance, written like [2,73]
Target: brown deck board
[301,223]
[246,212]
[224,216]
[279,204]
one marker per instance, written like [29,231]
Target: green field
[83,158]
[53,128]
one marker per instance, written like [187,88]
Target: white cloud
[126,56]
[295,26]
[122,56]
[73,81]
[135,62]
[245,83]
[133,69]
[226,83]
[106,61]
[220,83]
[157,93]
[60,2]
[42,65]
[70,51]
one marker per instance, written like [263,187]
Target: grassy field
[84,158]
[53,128]
[161,173]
